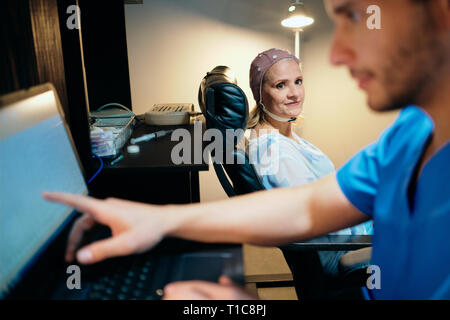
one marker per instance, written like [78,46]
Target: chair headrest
[225,108]
[222,102]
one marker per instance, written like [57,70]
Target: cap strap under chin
[278,118]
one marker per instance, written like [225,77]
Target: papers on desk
[107,141]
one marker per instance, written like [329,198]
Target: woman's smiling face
[283,92]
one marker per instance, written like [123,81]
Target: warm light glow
[297,22]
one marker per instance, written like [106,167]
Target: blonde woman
[280,157]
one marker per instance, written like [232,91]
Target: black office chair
[225,108]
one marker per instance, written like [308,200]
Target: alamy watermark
[74,280]
[374,20]
[374,280]
[228,147]
[73,21]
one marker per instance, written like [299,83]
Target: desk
[150,175]
[309,277]
[332,243]
[302,257]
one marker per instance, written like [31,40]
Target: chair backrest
[225,108]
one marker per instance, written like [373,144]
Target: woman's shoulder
[260,132]
[274,140]
[256,135]
[305,144]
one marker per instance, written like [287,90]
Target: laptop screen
[36,154]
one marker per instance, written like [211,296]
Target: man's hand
[135,227]
[202,290]
[270,217]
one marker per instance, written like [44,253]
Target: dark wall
[105,52]
[17,59]
[38,47]
[32,52]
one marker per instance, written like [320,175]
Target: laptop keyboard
[142,278]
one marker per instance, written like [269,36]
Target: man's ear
[447,10]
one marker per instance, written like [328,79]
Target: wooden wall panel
[48,49]
[18,68]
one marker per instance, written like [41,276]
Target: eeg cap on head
[261,64]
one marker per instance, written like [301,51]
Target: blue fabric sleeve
[358,178]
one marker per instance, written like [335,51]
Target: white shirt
[282,162]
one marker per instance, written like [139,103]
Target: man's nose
[341,53]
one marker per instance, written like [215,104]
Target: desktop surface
[150,175]
[156,155]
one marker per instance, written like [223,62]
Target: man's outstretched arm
[263,218]
[271,217]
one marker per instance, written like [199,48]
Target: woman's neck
[284,128]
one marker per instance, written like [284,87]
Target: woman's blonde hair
[256,116]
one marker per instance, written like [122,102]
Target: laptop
[37,154]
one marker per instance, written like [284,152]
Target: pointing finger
[80,203]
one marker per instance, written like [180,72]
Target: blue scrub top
[411,242]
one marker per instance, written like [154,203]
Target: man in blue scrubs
[402,181]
